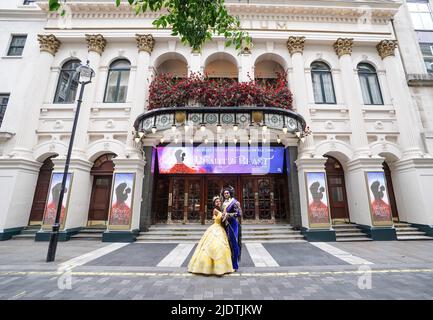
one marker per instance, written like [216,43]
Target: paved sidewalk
[94,270]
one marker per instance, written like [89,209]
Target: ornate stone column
[195,63]
[19,171]
[26,135]
[295,45]
[410,135]
[412,174]
[246,71]
[145,45]
[80,166]
[353,100]
[96,44]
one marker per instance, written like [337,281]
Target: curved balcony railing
[160,119]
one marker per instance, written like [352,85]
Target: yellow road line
[237,274]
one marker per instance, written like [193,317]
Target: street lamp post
[85,75]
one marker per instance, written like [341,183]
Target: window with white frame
[427,52]
[68,83]
[323,86]
[421,14]
[16,46]
[369,84]
[117,81]
[4,99]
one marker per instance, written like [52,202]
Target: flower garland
[168,91]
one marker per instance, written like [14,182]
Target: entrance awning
[219,120]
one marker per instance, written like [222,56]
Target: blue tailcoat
[233,230]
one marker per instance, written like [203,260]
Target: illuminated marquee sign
[220,160]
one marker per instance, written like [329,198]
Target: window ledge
[420,79]
[12,57]
[5,136]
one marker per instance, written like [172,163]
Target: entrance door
[102,172]
[261,201]
[161,196]
[193,199]
[391,194]
[185,200]
[337,190]
[41,193]
[100,199]
[281,203]
[213,188]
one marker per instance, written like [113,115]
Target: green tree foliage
[194,21]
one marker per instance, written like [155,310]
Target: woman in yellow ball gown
[213,255]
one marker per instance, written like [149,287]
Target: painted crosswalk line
[340,254]
[260,256]
[87,257]
[177,256]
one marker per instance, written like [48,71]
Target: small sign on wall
[380,207]
[318,204]
[122,196]
[53,200]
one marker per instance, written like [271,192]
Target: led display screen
[220,160]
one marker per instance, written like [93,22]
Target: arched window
[369,84]
[68,83]
[117,81]
[323,86]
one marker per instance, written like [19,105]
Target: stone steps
[244,241]
[88,234]
[349,232]
[364,238]
[405,232]
[406,238]
[28,233]
[193,233]
[151,237]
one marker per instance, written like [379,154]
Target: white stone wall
[361,137]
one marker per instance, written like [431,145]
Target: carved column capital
[343,46]
[295,45]
[96,43]
[49,43]
[145,42]
[386,48]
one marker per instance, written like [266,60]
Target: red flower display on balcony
[169,91]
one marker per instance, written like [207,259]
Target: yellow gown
[212,255]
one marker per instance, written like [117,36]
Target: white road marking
[260,256]
[340,254]
[177,256]
[87,257]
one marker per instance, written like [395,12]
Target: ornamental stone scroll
[343,46]
[295,45]
[386,48]
[48,43]
[96,43]
[145,42]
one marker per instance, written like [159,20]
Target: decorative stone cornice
[295,44]
[96,43]
[343,46]
[386,48]
[331,11]
[145,42]
[49,43]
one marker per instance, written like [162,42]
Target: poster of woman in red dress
[121,200]
[318,208]
[53,200]
[380,207]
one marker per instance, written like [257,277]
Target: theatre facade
[313,125]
